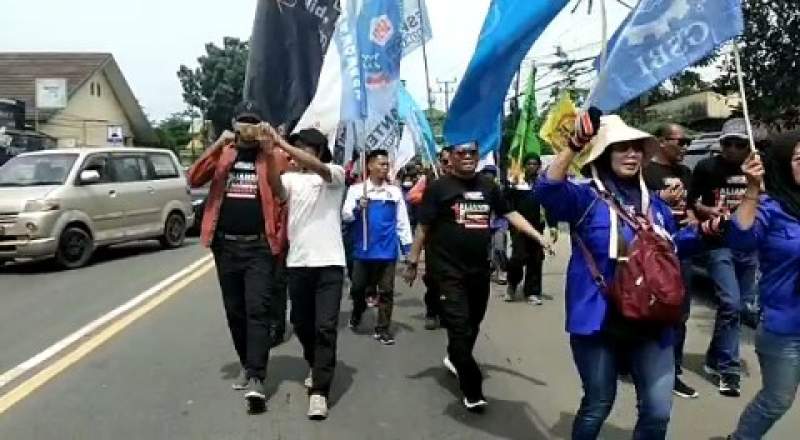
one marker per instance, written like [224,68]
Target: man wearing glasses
[667,175]
[718,187]
[454,227]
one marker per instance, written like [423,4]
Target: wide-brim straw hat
[613,130]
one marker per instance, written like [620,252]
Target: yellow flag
[559,126]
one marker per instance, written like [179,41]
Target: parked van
[66,203]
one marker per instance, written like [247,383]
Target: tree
[173,132]
[770,54]
[216,86]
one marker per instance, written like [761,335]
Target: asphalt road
[167,375]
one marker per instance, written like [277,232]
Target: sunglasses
[683,142]
[464,152]
[628,146]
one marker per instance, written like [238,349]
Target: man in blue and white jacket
[388,232]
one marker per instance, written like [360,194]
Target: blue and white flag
[659,39]
[417,123]
[510,29]
[416,25]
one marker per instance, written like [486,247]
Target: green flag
[526,139]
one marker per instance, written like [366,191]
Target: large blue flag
[659,39]
[510,29]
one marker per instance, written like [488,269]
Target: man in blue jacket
[376,253]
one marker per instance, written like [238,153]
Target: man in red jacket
[242,226]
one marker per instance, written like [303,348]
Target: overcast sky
[150,39]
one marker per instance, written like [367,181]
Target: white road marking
[12,374]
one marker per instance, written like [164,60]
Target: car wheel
[75,248]
[174,231]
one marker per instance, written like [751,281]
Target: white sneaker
[475,405]
[317,407]
[450,367]
[535,301]
[309,382]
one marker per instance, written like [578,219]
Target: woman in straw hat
[603,343]
[770,224]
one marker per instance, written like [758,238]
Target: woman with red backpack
[624,289]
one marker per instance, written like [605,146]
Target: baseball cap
[247,110]
[734,129]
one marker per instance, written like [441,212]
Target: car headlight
[42,205]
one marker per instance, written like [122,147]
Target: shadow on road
[563,429]
[694,362]
[101,256]
[505,419]
[294,369]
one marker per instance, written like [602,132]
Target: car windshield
[37,170]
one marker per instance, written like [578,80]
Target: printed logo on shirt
[242,181]
[472,215]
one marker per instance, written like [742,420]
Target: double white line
[119,318]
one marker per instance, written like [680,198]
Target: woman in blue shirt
[603,343]
[770,224]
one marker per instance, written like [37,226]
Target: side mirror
[89,177]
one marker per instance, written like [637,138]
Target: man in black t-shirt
[718,187]
[454,225]
[240,224]
[671,179]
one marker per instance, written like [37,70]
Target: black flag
[289,41]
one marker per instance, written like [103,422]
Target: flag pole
[742,93]
[603,52]
[425,57]
[364,177]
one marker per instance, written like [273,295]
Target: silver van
[66,203]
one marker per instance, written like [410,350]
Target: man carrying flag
[388,229]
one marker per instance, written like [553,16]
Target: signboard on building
[116,136]
[51,93]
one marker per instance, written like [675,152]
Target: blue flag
[659,39]
[509,30]
[417,122]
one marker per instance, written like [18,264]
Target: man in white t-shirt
[316,257]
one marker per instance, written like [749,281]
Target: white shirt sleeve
[350,202]
[337,175]
[403,224]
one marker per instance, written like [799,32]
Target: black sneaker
[683,390]
[476,405]
[355,321]
[256,396]
[385,338]
[431,323]
[729,385]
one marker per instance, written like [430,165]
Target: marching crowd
[277,206]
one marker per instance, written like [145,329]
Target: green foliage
[217,84]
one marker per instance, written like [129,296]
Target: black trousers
[316,294]
[380,275]
[526,256]
[432,301]
[245,272]
[280,292]
[464,298]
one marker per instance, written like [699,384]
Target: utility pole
[446,87]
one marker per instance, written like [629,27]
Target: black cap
[314,138]
[247,110]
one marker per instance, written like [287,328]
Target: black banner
[289,41]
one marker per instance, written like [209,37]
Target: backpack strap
[597,276]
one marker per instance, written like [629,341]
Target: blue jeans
[779,357]
[652,368]
[734,276]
